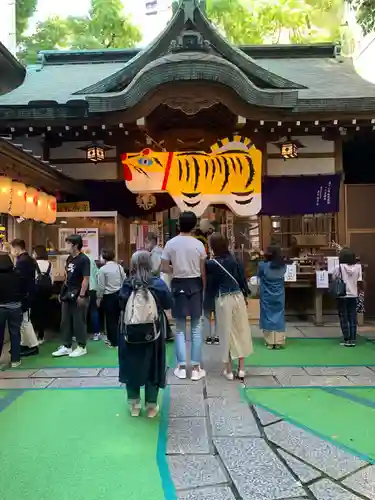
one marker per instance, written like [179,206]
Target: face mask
[14,252]
[102,259]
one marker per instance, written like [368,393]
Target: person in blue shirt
[227,283]
[272,297]
[144,364]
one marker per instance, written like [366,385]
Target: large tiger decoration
[230,174]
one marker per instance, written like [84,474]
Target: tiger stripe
[217,167]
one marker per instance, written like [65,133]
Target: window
[321,227]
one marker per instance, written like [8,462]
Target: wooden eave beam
[35,168]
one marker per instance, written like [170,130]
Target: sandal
[153,411]
[135,410]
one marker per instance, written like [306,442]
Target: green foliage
[272,21]
[106,26]
[365,14]
[24,10]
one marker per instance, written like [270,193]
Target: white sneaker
[198,374]
[180,372]
[241,374]
[15,364]
[62,351]
[96,337]
[228,375]
[78,351]
[41,341]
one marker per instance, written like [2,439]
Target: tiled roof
[12,73]
[300,78]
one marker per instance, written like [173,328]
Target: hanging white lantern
[31,203]
[5,194]
[51,210]
[41,212]
[18,199]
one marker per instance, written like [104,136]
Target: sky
[150,28]
[64,8]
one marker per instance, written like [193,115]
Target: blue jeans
[12,317]
[94,312]
[196,341]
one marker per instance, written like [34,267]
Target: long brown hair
[219,244]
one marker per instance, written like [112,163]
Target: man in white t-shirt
[185,258]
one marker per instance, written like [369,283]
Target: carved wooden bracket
[190,104]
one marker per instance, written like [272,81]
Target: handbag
[337,286]
[67,295]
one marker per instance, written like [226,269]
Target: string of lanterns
[18,200]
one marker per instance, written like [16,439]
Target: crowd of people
[191,276]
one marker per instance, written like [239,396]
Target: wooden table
[306,282]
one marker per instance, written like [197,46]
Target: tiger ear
[146,152]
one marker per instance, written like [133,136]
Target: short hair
[76,240]
[219,244]
[347,256]
[17,242]
[108,254]
[187,222]
[152,237]
[41,252]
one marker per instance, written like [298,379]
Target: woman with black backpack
[43,291]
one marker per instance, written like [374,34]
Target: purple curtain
[295,195]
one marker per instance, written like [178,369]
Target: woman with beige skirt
[226,282]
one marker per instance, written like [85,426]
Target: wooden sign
[78,206]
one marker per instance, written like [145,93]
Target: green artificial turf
[337,419]
[99,356]
[312,352]
[77,444]
[298,352]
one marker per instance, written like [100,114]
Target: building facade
[189,90]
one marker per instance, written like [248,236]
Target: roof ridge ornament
[189,7]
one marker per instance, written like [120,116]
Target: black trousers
[347,309]
[111,313]
[74,322]
[40,313]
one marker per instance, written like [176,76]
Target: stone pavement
[221,448]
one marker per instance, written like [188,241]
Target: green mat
[77,444]
[313,352]
[298,352]
[337,419]
[99,356]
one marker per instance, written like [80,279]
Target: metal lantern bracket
[95,151]
[289,148]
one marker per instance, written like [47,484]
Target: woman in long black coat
[144,364]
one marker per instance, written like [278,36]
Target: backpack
[44,281]
[141,317]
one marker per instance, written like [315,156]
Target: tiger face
[145,171]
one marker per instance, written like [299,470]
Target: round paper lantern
[41,213]
[18,199]
[51,210]
[5,194]
[31,203]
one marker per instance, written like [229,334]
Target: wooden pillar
[341,236]
[265,220]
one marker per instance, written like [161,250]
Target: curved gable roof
[190,17]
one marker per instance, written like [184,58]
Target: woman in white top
[43,291]
[351,274]
[110,279]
